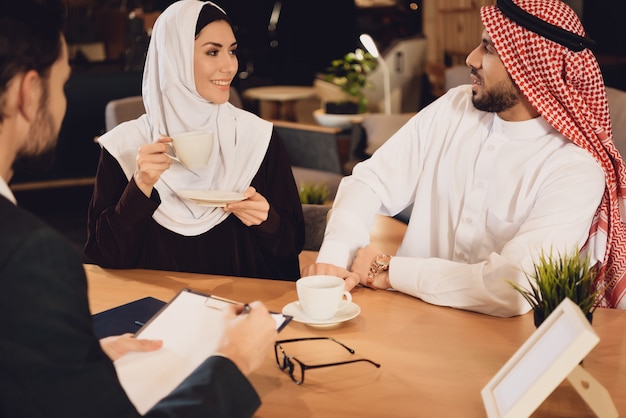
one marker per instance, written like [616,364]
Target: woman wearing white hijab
[136,217]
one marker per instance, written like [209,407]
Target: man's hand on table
[351,279]
[362,263]
[359,270]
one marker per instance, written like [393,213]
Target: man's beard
[39,153]
[501,97]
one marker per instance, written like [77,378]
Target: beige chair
[122,110]
[129,108]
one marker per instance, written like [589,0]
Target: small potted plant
[555,278]
[341,87]
[313,194]
[315,210]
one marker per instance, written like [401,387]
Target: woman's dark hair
[209,13]
[30,37]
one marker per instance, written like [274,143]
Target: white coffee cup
[193,149]
[322,296]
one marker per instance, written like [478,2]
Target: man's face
[492,87]
[37,151]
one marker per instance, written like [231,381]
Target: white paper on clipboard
[190,326]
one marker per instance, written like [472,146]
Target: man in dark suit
[51,364]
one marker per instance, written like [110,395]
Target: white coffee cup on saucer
[321,296]
[193,149]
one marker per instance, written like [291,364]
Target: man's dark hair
[30,38]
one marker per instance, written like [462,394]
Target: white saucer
[345,313]
[211,197]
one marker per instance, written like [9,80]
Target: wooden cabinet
[453,28]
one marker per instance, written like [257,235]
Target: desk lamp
[370,47]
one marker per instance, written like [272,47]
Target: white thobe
[489,196]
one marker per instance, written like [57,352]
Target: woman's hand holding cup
[152,161]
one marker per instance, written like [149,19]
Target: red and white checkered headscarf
[567,89]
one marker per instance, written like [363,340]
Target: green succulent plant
[555,278]
[315,194]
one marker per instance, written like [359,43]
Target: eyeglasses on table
[296,368]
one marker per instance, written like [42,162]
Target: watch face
[383,260]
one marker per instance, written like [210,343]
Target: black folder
[126,318]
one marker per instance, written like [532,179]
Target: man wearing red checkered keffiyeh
[495,173]
[543,47]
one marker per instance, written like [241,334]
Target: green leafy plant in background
[555,278]
[315,194]
[350,75]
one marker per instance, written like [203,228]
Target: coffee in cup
[193,149]
[321,296]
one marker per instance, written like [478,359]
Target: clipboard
[190,326]
[218,303]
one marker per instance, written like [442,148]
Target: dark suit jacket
[51,364]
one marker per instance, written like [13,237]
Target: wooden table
[282,99]
[435,360]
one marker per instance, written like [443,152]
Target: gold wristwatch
[380,263]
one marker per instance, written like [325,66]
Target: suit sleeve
[216,389]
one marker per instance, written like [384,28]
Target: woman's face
[215,61]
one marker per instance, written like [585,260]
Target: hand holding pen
[249,335]
[245,308]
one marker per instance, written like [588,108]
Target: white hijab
[173,105]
